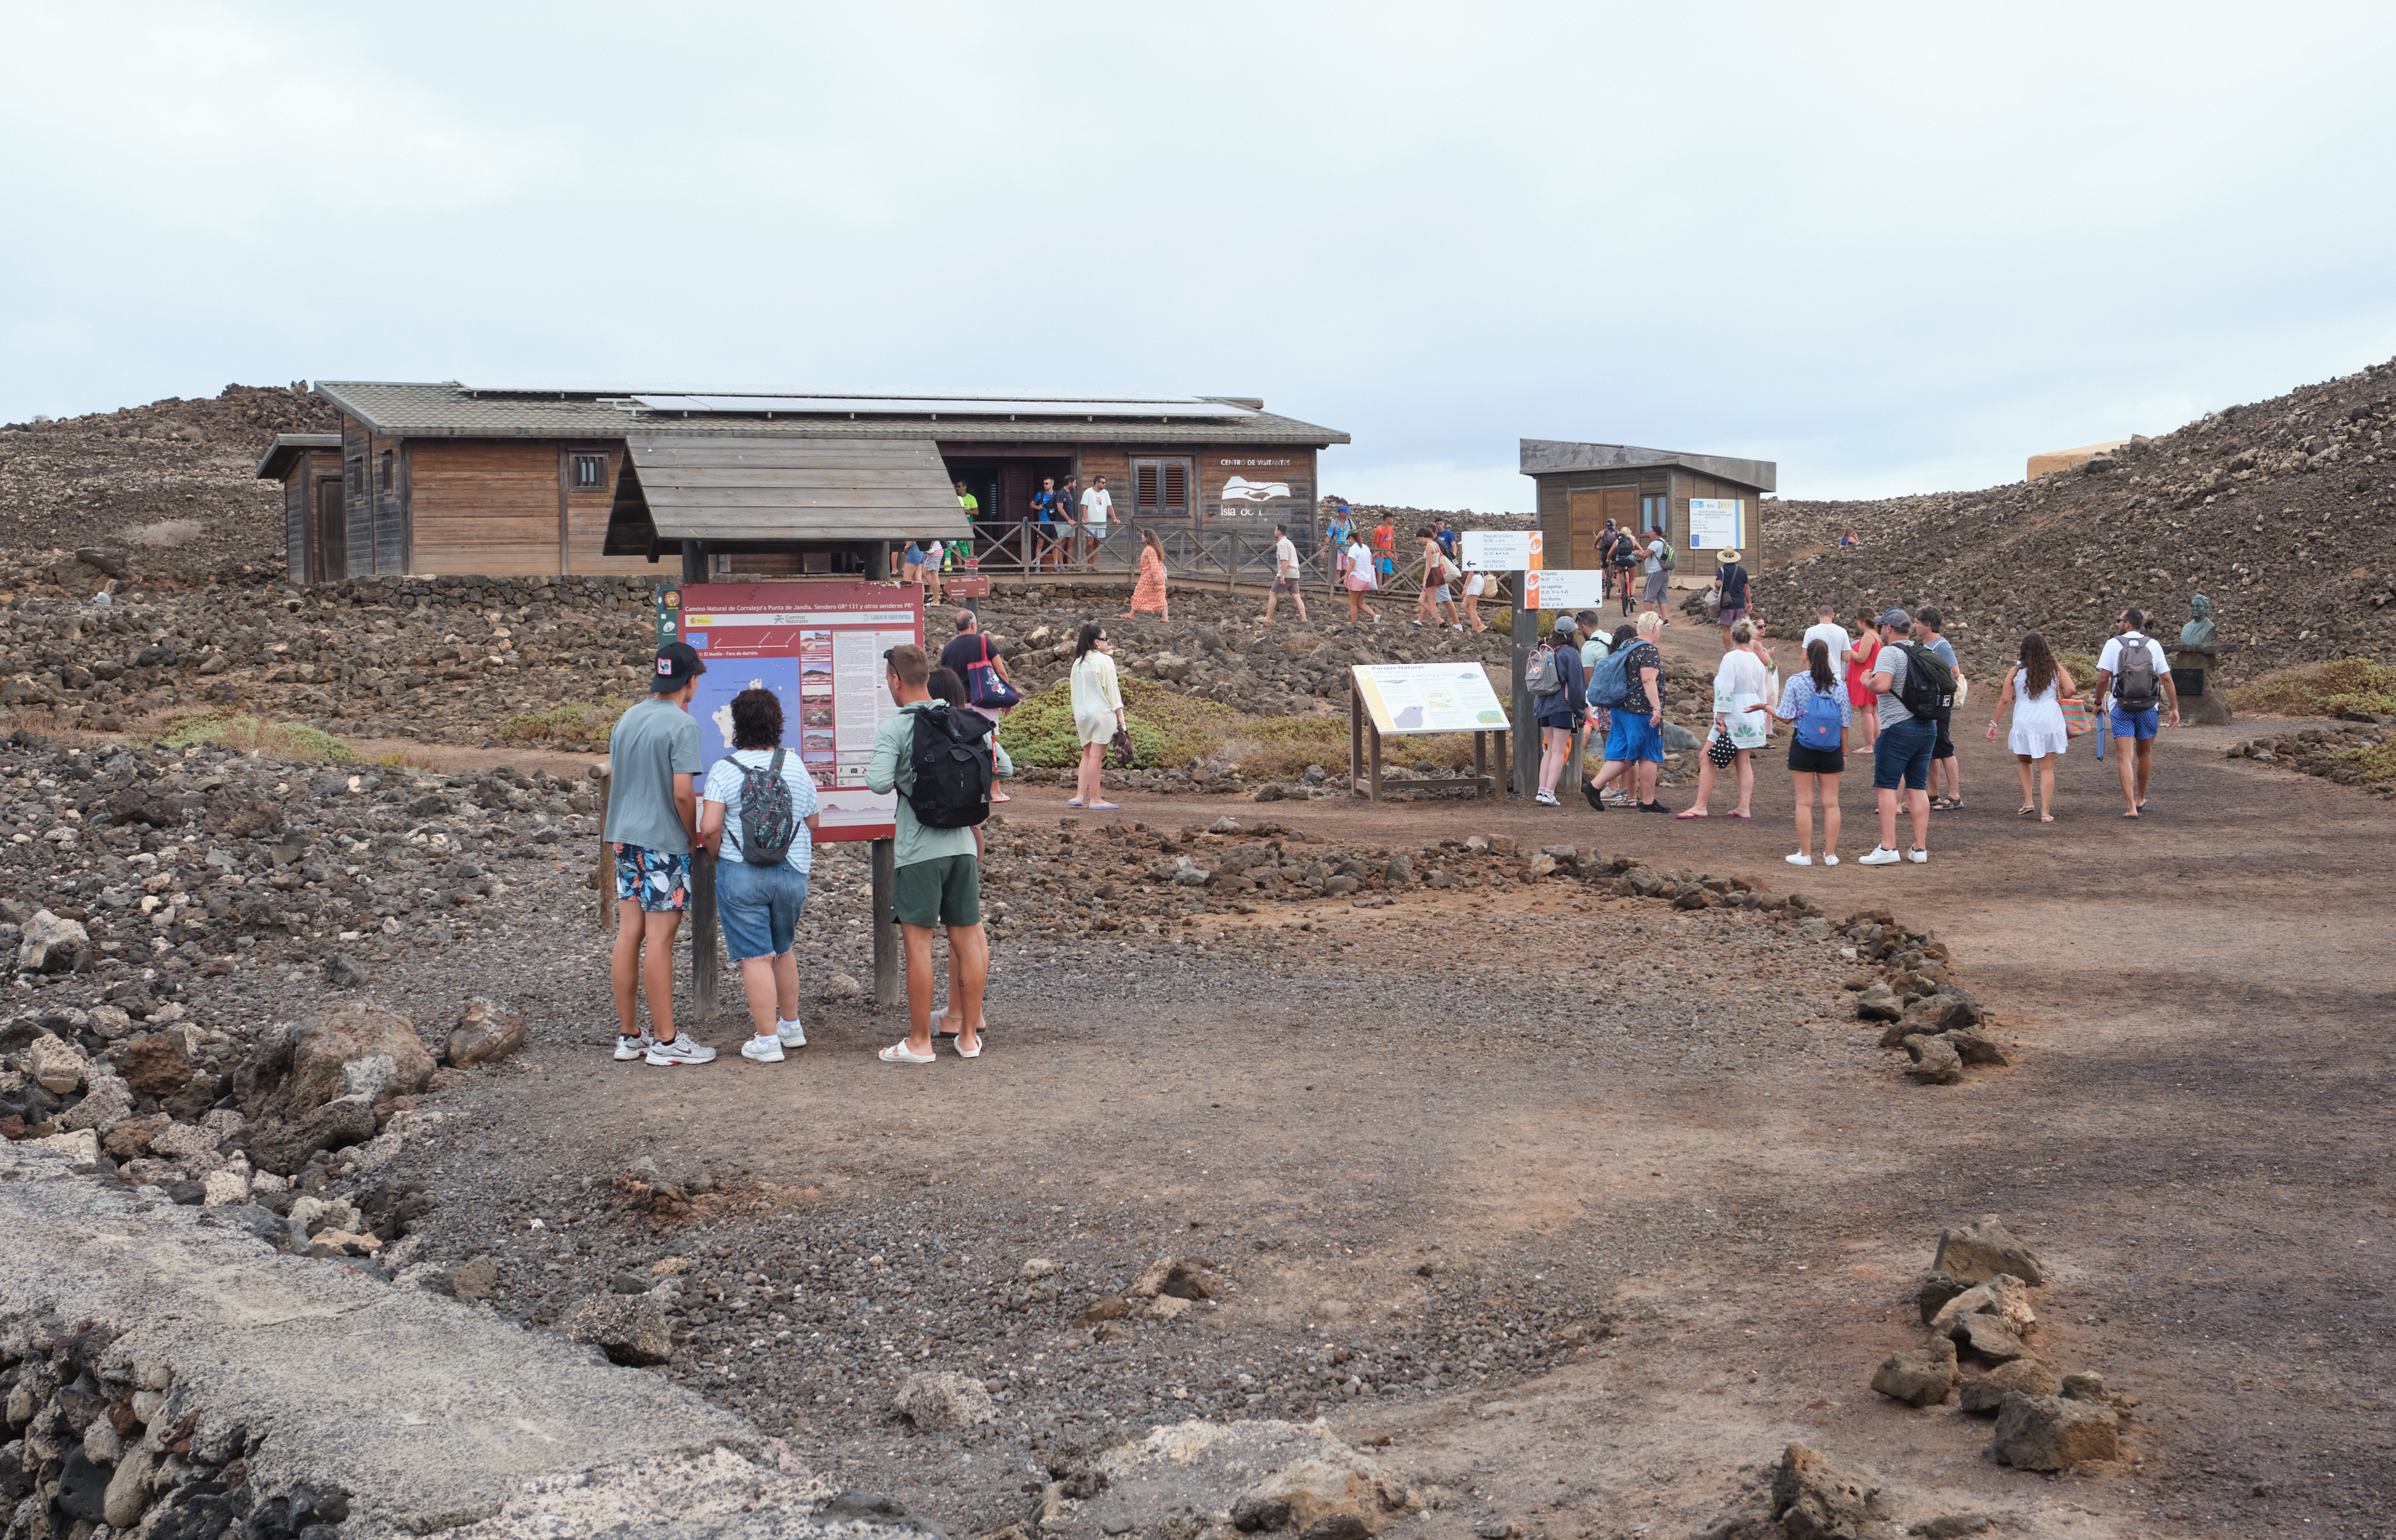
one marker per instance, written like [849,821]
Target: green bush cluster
[2324,690]
[1166,728]
[284,739]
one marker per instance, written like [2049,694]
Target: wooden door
[1588,508]
[329,552]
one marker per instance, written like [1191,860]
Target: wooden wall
[488,507]
[586,517]
[357,499]
[299,485]
[1294,467]
[1574,505]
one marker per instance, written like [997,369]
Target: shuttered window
[1159,488]
[590,473]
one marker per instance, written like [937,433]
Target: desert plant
[2321,690]
[284,739]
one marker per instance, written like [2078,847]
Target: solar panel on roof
[809,406]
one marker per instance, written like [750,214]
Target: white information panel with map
[1429,698]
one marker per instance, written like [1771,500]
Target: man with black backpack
[2136,681]
[942,762]
[1917,693]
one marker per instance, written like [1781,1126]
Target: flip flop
[898,1052]
[1072,802]
[1742,815]
[2043,817]
[2025,810]
[976,1054]
[1692,813]
[1106,807]
[2130,816]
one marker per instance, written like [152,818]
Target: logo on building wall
[1241,489]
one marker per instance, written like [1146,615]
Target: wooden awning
[768,493]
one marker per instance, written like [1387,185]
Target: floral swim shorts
[659,879]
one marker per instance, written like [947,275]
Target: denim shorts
[1632,737]
[759,905]
[2135,725]
[659,879]
[1902,755]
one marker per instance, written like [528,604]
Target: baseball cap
[1895,616]
[1566,623]
[678,664]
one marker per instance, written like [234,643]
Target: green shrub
[2375,762]
[282,739]
[1166,728]
[573,720]
[2323,690]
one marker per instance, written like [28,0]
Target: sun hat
[1728,554]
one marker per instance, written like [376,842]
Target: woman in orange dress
[1147,594]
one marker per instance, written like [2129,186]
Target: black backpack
[1929,690]
[768,824]
[953,767]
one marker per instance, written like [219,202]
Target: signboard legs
[1526,736]
[885,929]
[706,946]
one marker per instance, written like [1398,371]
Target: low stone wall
[163,1373]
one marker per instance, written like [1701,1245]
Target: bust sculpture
[2198,633]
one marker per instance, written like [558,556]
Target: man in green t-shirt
[938,877]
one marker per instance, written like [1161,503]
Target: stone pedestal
[2201,704]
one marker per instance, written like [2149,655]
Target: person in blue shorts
[1634,743]
[1901,753]
[2135,681]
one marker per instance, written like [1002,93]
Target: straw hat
[1728,554]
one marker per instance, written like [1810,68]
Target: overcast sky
[1894,248]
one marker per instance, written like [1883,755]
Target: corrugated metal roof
[275,463]
[1541,456]
[450,410]
[733,491]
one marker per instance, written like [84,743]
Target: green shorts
[945,890]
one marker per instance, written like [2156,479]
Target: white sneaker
[682,1050]
[790,1033]
[1918,856]
[763,1050]
[1829,860]
[630,1048]
[1800,858]
[1546,799]
[1881,856]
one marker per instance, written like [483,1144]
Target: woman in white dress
[1742,701]
[1098,712]
[2038,688]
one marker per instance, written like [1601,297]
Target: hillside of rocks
[174,480]
[2279,510]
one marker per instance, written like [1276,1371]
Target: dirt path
[1561,1105]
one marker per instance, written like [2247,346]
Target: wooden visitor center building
[434,479]
[1582,485]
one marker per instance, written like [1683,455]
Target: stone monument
[2201,704]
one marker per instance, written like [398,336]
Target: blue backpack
[1818,725]
[1609,682]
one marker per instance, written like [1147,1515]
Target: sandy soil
[1657,1127]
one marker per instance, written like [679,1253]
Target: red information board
[818,645]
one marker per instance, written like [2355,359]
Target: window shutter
[1144,497]
[1176,489]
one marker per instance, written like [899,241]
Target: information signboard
[1500,549]
[1564,588]
[819,646]
[1714,523]
[1429,697]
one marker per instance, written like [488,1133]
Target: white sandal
[898,1052]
